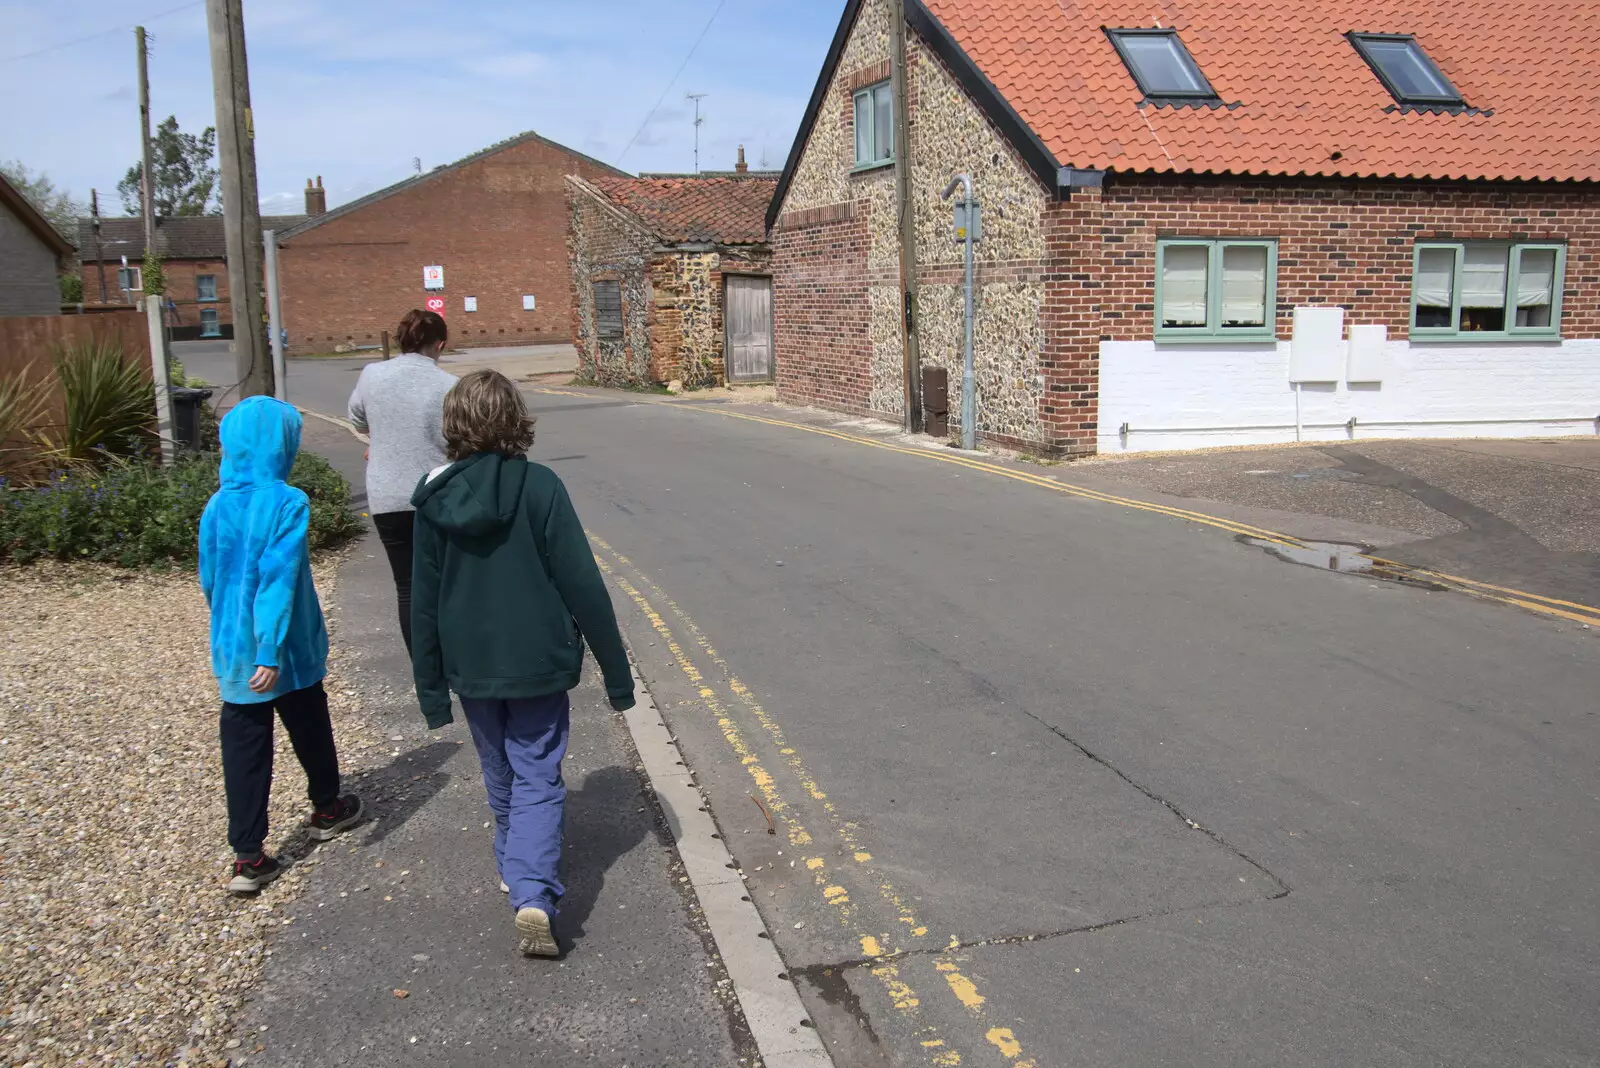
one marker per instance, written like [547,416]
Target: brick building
[495,222]
[1164,201]
[194,259]
[31,257]
[671,278]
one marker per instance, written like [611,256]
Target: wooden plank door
[747,311]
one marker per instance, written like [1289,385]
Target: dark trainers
[250,876]
[533,934]
[344,814]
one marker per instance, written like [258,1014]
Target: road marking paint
[962,987]
[900,994]
[1005,1041]
[964,991]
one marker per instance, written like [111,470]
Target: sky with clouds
[355,90]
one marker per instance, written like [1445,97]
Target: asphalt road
[1057,781]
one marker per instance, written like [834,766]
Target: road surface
[1065,781]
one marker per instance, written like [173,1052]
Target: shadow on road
[604,823]
[392,794]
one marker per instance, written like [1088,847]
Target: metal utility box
[966,220]
[936,401]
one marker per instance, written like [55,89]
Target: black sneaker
[250,876]
[344,814]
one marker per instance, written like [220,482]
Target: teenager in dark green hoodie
[505,593]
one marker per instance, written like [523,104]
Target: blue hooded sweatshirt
[255,565]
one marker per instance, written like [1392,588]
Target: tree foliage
[53,203]
[185,179]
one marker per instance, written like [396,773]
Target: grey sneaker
[340,817]
[504,889]
[249,876]
[534,938]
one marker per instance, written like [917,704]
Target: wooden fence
[28,343]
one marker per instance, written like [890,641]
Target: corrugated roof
[726,211]
[1296,97]
[183,237]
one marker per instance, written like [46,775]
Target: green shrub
[109,404]
[23,403]
[134,514]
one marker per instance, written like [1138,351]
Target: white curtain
[1436,269]
[1483,277]
[1536,277]
[863,126]
[1183,285]
[1244,285]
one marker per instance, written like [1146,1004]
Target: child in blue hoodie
[269,647]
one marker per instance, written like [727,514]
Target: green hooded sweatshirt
[505,589]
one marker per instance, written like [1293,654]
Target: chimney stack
[316,197]
[741,167]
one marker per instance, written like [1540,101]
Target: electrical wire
[692,48]
[96,36]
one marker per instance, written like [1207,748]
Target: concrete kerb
[772,1006]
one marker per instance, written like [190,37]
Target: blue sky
[352,90]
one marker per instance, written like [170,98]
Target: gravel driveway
[119,944]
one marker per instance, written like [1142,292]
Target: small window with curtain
[205,287]
[608,309]
[1216,289]
[874,125]
[209,324]
[1486,289]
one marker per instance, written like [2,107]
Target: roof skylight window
[1405,69]
[1160,65]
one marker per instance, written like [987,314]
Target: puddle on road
[1345,559]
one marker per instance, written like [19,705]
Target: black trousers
[247,760]
[394,530]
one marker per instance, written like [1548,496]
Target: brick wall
[603,244]
[496,224]
[1347,244]
[28,283]
[821,309]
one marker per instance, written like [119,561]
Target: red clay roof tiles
[1296,96]
[728,211]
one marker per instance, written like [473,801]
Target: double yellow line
[1554,607]
[883,952]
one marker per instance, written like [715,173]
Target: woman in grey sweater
[399,404]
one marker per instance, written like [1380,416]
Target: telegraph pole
[152,301]
[241,209]
[912,362]
[100,266]
[698,122]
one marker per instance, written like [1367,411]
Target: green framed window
[1484,290]
[874,124]
[1216,289]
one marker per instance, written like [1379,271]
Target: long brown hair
[484,413]
[419,329]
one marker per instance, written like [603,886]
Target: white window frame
[867,94]
[1214,331]
[201,297]
[1514,253]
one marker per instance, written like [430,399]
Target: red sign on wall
[436,304]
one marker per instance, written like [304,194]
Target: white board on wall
[1317,349]
[1367,343]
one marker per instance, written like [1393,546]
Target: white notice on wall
[433,277]
[472,304]
[527,302]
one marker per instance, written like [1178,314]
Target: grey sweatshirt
[400,404]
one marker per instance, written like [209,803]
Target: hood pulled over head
[260,438]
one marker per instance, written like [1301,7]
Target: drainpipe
[969,406]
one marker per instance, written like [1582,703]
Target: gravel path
[118,943]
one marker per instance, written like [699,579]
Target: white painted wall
[1202,396]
